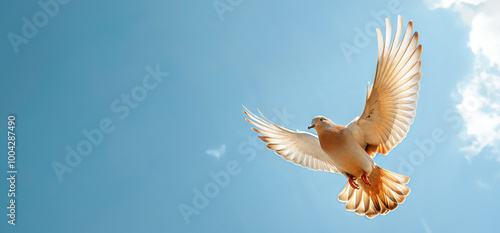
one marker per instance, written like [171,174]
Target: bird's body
[343,150]
[389,111]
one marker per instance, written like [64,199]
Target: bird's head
[320,123]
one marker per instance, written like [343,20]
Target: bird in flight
[389,111]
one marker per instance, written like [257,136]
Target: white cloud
[480,107]
[483,185]
[485,35]
[434,4]
[480,93]
[217,152]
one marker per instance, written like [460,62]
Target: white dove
[389,111]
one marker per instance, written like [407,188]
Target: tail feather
[386,192]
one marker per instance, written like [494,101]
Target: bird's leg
[365,179]
[352,182]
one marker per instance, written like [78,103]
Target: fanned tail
[386,191]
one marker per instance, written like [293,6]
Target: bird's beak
[311,126]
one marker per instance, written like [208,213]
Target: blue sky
[91,62]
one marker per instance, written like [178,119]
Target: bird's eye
[321,119]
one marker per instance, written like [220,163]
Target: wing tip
[410,24]
[256,130]
[416,35]
[264,138]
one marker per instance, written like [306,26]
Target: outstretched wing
[392,99]
[299,147]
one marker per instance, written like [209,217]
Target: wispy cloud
[480,93]
[217,152]
[483,185]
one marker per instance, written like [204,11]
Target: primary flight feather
[389,111]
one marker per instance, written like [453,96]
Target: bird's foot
[365,179]
[352,182]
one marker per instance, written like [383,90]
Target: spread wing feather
[392,99]
[301,148]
